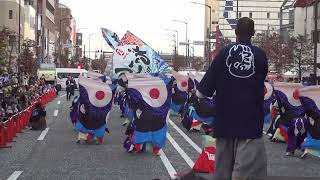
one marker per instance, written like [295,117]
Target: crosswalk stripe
[43,134]
[55,113]
[172,172]
[194,145]
[15,175]
[182,153]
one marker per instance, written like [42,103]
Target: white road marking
[15,175]
[63,95]
[43,134]
[182,153]
[55,113]
[194,145]
[58,102]
[172,172]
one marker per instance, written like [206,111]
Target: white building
[304,18]
[29,21]
[304,22]
[265,13]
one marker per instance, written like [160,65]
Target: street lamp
[187,45]
[177,38]
[175,43]
[90,45]
[210,24]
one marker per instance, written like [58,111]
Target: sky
[147,19]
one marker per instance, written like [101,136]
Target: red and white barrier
[18,122]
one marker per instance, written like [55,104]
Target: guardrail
[15,124]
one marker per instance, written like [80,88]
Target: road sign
[198,43]
[183,43]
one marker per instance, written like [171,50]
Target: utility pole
[316,40]
[19,40]
[186,39]
[237,9]
[84,56]
[208,43]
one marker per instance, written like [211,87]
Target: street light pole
[175,44]
[176,37]
[210,26]
[237,9]
[90,46]
[316,40]
[19,40]
[187,45]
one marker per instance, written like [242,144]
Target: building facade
[210,27]
[267,15]
[304,18]
[305,23]
[65,26]
[9,19]
[46,33]
[29,21]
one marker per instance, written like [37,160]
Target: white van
[48,71]
[64,73]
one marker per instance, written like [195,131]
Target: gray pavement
[58,156]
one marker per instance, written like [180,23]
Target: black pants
[68,95]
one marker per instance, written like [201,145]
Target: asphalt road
[58,156]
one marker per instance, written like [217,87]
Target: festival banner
[111,37]
[134,56]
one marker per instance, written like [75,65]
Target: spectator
[37,120]
[15,96]
[70,83]
[237,77]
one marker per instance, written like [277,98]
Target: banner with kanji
[134,56]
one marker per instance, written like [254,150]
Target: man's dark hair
[245,27]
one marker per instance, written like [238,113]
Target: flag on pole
[134,56]
[111,37]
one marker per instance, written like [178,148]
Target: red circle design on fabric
[154,93]
[296,95]
[184,84]
[100,95]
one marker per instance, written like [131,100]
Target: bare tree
[278,51]
[6,40]
[27,59]
[178,62]
[198,63]
[302,54]
[99,64]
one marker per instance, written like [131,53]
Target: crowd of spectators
[16,94]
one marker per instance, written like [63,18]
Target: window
[10,14]
[66,75]
[250,14]
[28,2]
[268,15]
